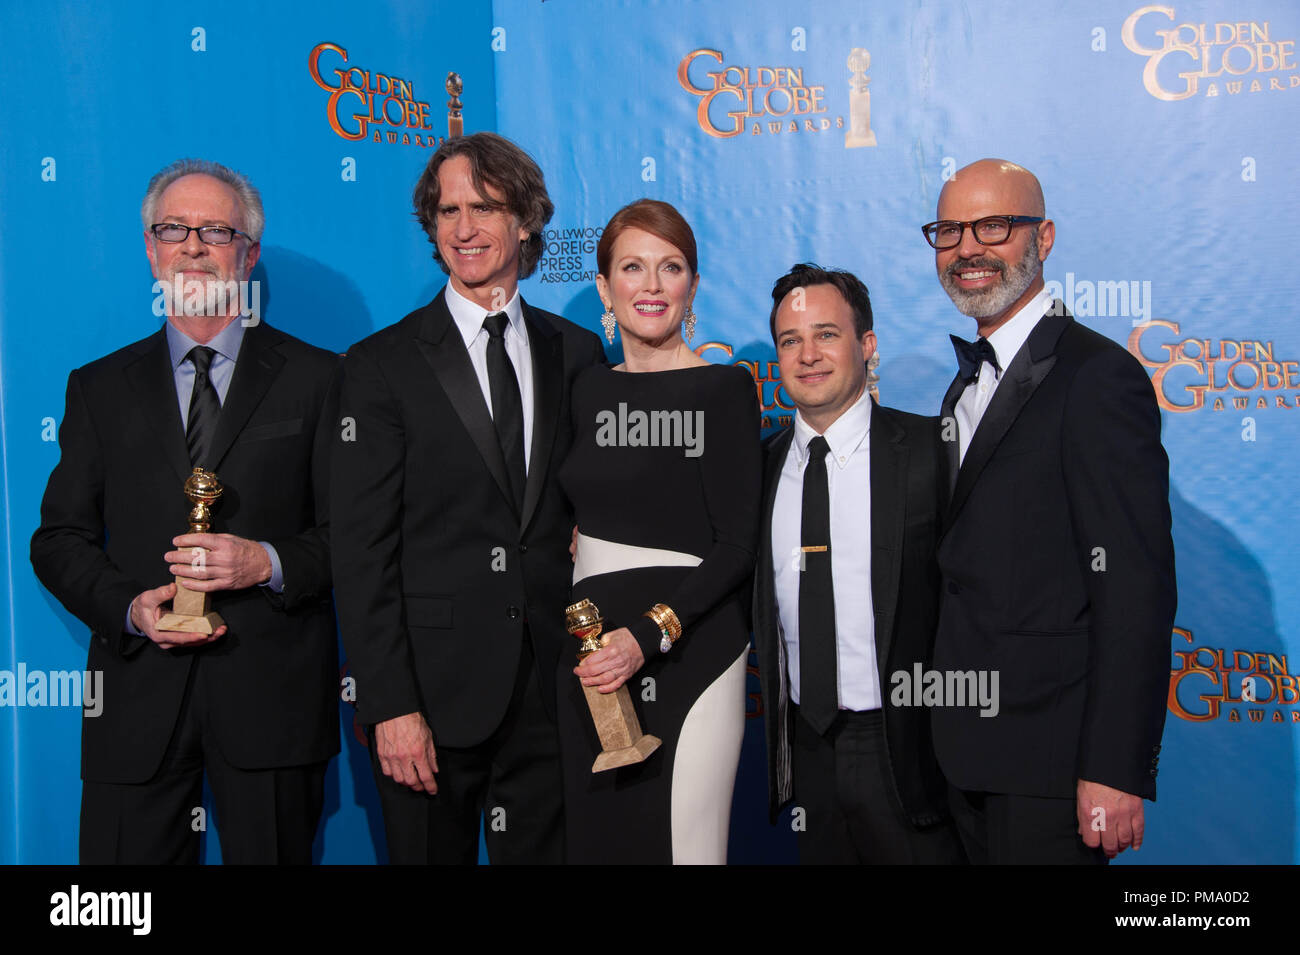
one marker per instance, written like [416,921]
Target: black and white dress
[667,511]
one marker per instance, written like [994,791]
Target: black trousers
[1007,829]
[852,815]
[511,781]
[263,816]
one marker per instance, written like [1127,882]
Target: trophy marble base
[191,613]
[187,623]
[621,741]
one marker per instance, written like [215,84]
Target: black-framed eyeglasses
[208,234]
[989,230]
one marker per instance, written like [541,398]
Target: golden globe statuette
[455,122]
[859,132]
[191,611]
[621,740]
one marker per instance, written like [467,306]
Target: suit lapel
[1023,376]
[888,467]
[546,346]
[948,426]
[256,368]
[772,465]
[153,380]
[443,348]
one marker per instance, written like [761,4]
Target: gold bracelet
[669,626]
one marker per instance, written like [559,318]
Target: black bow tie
[970,355]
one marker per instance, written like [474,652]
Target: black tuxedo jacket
[906,468]
[438,577]
[1058,572]
[115,501]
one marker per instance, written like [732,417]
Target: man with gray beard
[251,706]
[1055,549]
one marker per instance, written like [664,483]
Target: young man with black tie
[846,591]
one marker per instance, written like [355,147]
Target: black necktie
[818,694]
[970,355]
[205,407]
[507,409]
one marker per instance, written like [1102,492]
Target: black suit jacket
[437,574]
[115,501]
[906,468]
[1058,571]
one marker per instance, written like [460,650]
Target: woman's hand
[610,668]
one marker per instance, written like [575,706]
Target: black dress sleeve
[731,474]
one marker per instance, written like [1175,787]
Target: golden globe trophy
[455,122]
[621,740]
[192,611]
[859,132]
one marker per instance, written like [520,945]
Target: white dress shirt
[468,317]
[1006,341]
[848,475]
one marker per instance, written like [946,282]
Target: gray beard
[984,303]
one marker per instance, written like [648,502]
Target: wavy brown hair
[497,162]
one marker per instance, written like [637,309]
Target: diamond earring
[688,324]
[608,322]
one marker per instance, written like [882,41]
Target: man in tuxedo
[451,534]
[254,703]
[1056,556]
[846,593]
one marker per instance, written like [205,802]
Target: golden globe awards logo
[1190,374]
[364,103]
[763,100]
[1206,681]
[1192,59]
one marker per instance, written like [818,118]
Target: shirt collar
[469,316]
[225,343]
[846,434]
[1013,333]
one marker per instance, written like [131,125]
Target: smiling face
[199,200]
[993,282]
[478,237]
[823,362]
[649,287]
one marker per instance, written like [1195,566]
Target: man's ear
[868,345]
[254,253]
[1046,236]
[150,253]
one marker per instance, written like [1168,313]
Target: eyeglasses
[208,234]
[990,230]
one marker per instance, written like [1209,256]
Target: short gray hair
[249,199]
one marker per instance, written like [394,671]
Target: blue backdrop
[1165,138]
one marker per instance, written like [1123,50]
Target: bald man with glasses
[1055,552]
[253,705]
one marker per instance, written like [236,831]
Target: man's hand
[1119,824]
[404,746]
[146,610]
[231,563]
[610,668]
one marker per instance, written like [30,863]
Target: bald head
[1015,187]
